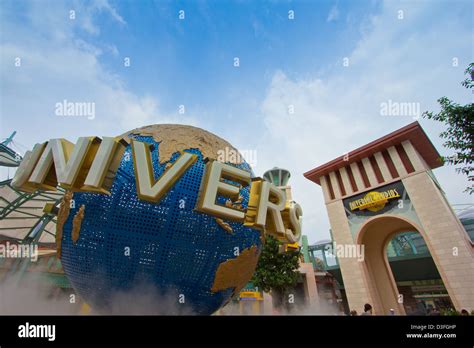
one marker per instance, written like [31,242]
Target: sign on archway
[390,181]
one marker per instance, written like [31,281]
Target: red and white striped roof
[406,151]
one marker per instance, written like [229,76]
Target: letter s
[295,215]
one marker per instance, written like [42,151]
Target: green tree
[459,133]
[276,272]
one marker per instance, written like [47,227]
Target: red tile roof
[412,132]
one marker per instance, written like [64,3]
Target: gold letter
[292,221]
[212,185]
[45,175]
[80,167]
[147,188]
[72,163]
[264,210]
[20,180]
[107,155]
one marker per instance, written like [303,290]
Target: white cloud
[86,15]
[62,66]
[57,64]
[407,60]
[333,14]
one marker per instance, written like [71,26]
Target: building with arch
[381,190]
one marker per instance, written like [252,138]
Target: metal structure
[23,220]
[22,217]
[9,157]
[277,176]
[460,209]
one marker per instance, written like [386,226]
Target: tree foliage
[276,271]
[459,134]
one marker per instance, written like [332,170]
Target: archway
[416,275]
[375,235]
[398,167]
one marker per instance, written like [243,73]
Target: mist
[29,296]
[32,296]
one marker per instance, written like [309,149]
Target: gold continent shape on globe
[233,273]
[176,138]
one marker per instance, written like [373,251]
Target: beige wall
[375,235]
[310,288]
[356,287]
[372,280]
[447,240]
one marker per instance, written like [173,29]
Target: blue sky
[169,53]
[402,51]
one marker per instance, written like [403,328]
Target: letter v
[148,188]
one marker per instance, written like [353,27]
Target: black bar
[242,330]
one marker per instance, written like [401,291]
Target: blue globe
[180,260]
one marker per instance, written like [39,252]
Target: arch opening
[416,275]
[399,271]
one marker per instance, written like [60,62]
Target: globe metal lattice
[172,246]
